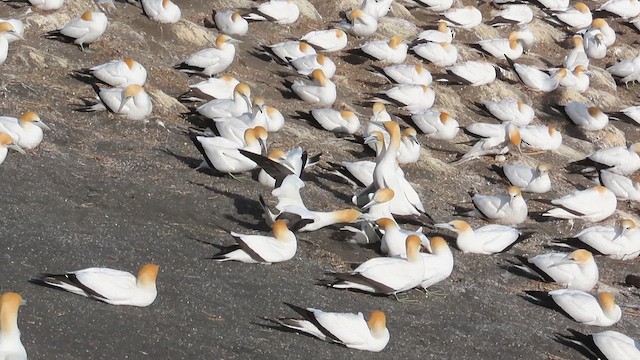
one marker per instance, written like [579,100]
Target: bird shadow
[577,336]
[197,120]
[207,23]
[274,325]
[354,59]
[286,92]
[362,154]
[307,118]
[243,204]
[492,180]
[260,55]
[188,160]
[84,76]
[333,179]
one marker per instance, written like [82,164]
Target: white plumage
[111,286]
[593,205]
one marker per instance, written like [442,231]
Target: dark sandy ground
[102,191]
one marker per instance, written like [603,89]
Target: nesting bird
[587,118]
[537,79]
[318,91]
[347,329]
[47,5]
[577,270]
[132,102]
[501,48]
[253,249]
[222,154]
[436,124]
[306,64]
[162,11]
[111,286]
[442,33]
[359,23]
[120,73]
[408,74]
[467,17]
[341,122]
[393,51]
[527,178]
[386,275]
[230,22]
[26,131]
[593,205]
[489,239]
[441,54]
[611,344]
[283,12]
[326,40]
[510,110]
[509,209]
[581,306]
[620,242]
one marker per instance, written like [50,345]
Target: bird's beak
[502,205]
[124,101]
[17,148]
[564,262]
[263,146]
[42,125]
[16,34]
[235,41]
[426,245]
[370,140]
[369,204]
[248,101]
[624,231]
[444,226]
[286,163]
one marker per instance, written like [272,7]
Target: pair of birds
[21,133]
[26,131]
[593,204]
[127,96]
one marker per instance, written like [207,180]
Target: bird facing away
[348,329]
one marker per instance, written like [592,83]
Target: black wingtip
[632,280]
[224,250]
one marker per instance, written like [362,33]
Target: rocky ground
[103,191]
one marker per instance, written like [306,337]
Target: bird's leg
[437,292]
[240,178]
[404,300]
